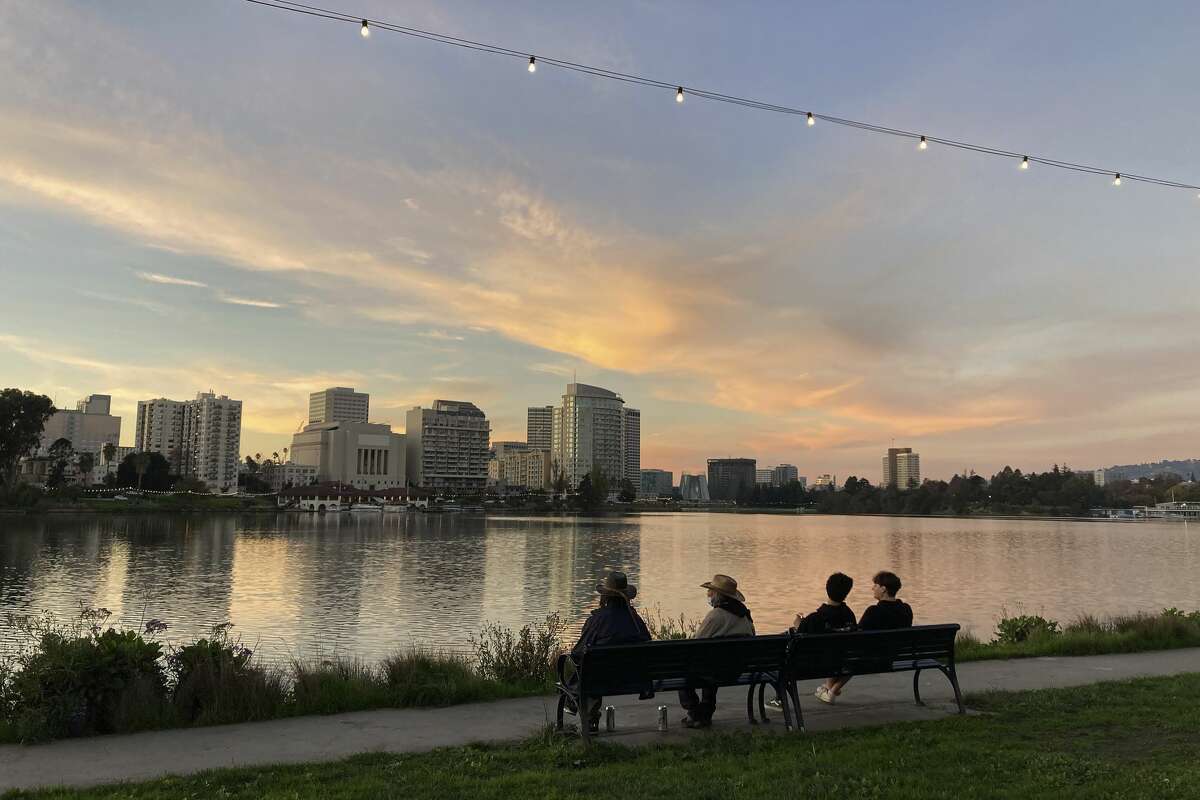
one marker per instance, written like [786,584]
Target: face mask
[714,601]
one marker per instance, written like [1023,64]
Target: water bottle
[662,718]
[610,719]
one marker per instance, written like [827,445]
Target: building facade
[448,446]
[763,476]
[360,454]
[287,475]
[212,441]
[592,428]
[88,428]
[901,468]
[539,427]
[631,439]
[656,483]
[826,483]
[528,469]
[338,404]
[784,474]
[694,488]
[160,429]
[730,477]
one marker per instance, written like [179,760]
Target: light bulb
[679,95]
[532,64]
[811,120]
[924,145]
[1025,162]
[366,29]
[1117,180]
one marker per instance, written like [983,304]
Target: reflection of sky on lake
[306,585]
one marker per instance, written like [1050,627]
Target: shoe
[824,695]
[775,703]
[688,722]
[593,726]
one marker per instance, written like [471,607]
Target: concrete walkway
[871,700]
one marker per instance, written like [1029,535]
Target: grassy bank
[51,504]
[1031,636]
[1128,739]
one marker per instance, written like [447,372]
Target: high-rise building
[631,442]
[501,449]
[88,428]
[539,427]
[656,483]
[784,474]
[730,477]
[592,429]
[763,476]
[527,469]
[826,482]
[212,440]
[338,404]
[901,468]
[693,488]
[448,446]
[160,429]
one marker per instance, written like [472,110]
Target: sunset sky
[220,195]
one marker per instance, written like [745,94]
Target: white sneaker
[775,703]
[824,695]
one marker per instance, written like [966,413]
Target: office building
[656,483]
[693,488]
[592,428]
[88,428]
[762,477]
[729,478]
[502,449]
[784,474]
[901,468]
[539,427]
[631,440]
[360,454]
[448,446]
[338,404]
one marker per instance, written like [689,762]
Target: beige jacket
[719,622]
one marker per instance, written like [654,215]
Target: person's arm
[585,636]
[709,626]
[643,630]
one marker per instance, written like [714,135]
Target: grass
[1116,740]
[1089,635]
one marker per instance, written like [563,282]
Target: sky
[222,196]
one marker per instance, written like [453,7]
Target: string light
[601,72]
[533,63]
[924,145]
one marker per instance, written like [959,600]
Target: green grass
[1088,636]
[1127,739]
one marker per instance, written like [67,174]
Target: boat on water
[394,508]
[366,508]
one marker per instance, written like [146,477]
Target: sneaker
[775,703]
[824,695]
[688,722]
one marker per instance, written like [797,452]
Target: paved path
[870,700]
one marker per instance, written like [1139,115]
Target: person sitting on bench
[729,617]
[614,622]
[888,613]
[832,617]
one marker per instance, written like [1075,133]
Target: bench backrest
[630,668]
[866,652]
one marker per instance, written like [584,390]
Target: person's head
[615,589]
[838,586]
[886,585]
[722,586]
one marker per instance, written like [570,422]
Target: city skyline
[450,229]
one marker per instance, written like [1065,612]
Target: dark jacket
[612,624]
[828,619]
[886,615]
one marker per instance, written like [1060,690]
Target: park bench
[623,669]
[913,650]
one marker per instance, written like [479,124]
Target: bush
[528,658]
[1014,630]
[664,627]
[215,681]
[340,684]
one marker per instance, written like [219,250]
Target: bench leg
[750,705]
[917,688]
[953,676]
[762,705]
[562,702]
[790,693]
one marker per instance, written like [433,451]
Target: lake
[312,586]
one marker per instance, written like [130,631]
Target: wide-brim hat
[723,584]
[616,584]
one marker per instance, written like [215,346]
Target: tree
[251,465]
[23,417]
[628,493]
[87,462]
[148,470]
[141,462]
[61,453]
[109,452]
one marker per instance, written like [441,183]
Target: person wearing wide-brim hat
[614,622]
[728,617]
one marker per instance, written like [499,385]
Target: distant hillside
[1187,470]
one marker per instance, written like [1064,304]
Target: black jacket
[613,624]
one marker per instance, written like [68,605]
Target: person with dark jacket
[614,622]
[834,616]
[728,617]
[888,613]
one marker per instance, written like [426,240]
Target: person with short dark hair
[888,613]
[831,617]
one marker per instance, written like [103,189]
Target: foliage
[22,495]
[61,452]
[87,462]
[664,627]
[23,417]
[627,492]
[215,680]
[527,657]
[1014,630]
[1086,635]
[149,471]
[593,490]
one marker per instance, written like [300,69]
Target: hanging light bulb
[811,120]
[533,64]
[1117,180]
[366,29]
[924,145]
[1025,162]
[679,95]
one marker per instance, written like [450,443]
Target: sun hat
[616,584]
[723,584]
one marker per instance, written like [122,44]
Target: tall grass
[663,627]
[1087,635]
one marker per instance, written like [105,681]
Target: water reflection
[302,586]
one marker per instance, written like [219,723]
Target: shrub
[663,627]
[339,684]
[526,658]
[1014,630]
[216,681]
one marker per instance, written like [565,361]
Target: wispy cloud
[441,336]
[170,280]
[246,301]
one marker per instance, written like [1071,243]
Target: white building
[448,446]
[527,469]
[901,468]
[88,428]
[539,427]
[289,474]
[826,482]
[592,428]
[201,438]
[338,404]
[160,428]
[360,454]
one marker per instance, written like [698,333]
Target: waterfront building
[502,449]
[728,478]
[631,440]
[656,483]
[694,488]
[826,482]
[338,404]
[763,477]
[88,428]
[103,467]
[784,474]
[448,446]
[526,469]
[592,428]
[286,475]
[211,441]
[160,429]
[901,468]
[363,455]
[539,427]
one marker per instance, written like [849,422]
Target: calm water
[305,585]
